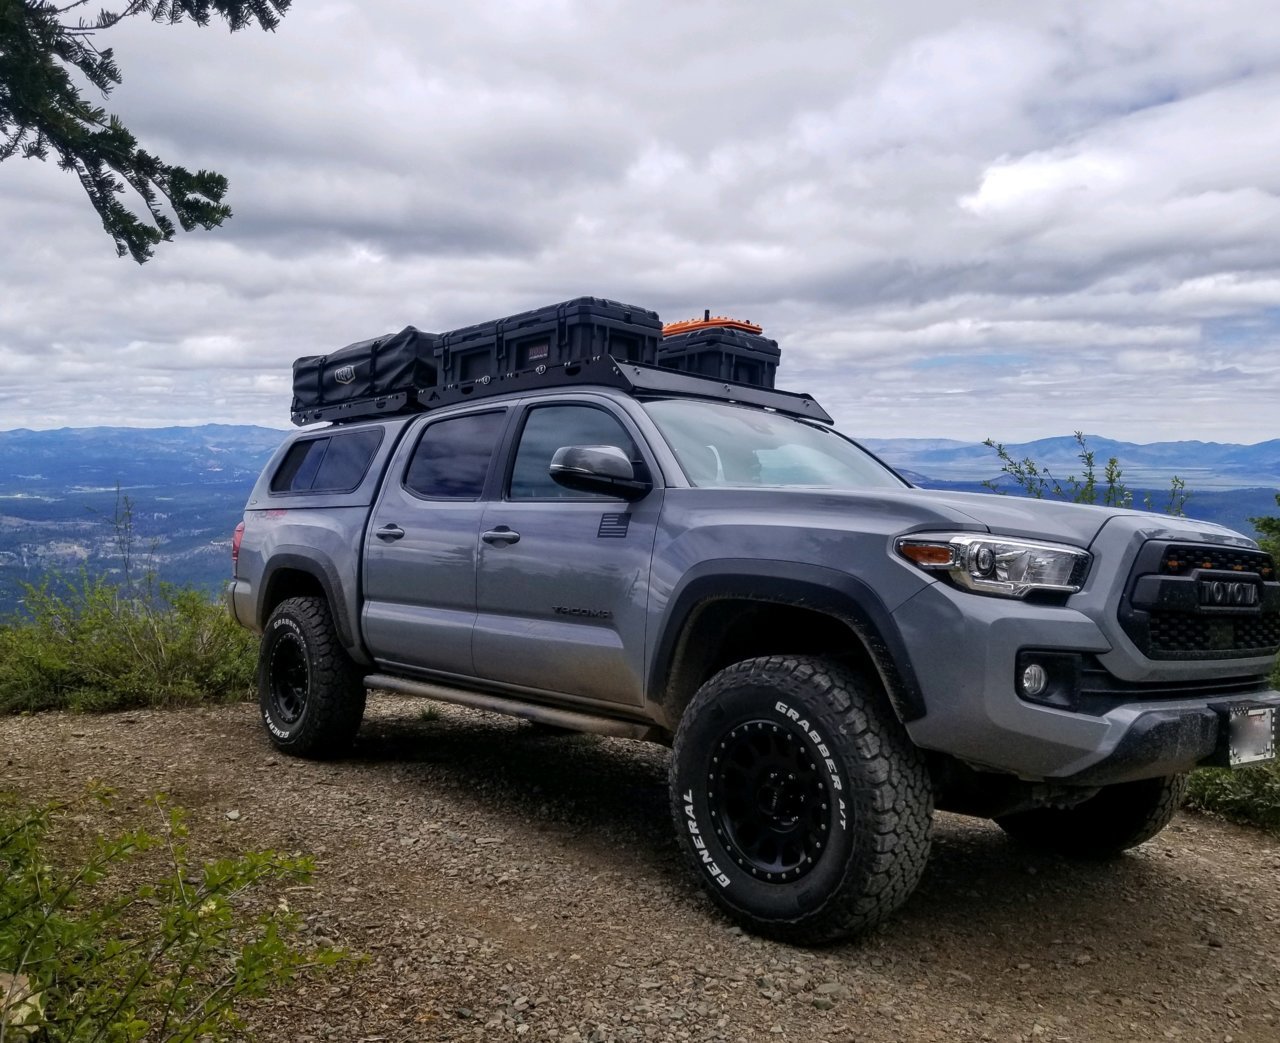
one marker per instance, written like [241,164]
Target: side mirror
[597,469]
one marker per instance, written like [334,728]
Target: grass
[91,644]
[1247,795]
[132,938]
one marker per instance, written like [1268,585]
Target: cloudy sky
[959,219]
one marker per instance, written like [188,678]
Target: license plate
[1252,736]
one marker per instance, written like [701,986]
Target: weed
[89,644]
[94,955]
[1249,795]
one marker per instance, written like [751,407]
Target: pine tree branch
[42,112]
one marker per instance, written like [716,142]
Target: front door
[563,582]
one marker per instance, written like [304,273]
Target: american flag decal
[613,526]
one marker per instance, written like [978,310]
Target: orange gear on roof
[709,321]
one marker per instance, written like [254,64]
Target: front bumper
[1168,740]
[964,651]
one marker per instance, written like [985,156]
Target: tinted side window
[546,430]
[347,459]
[335,463]
[299,468]
[452,457]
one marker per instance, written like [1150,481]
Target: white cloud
[1000,219]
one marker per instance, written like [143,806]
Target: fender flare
[829,591]
[326,574]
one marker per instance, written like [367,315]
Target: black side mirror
[597,469]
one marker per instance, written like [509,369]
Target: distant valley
[59,502]
[188,485]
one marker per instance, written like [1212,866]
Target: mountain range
[168,499]
[1203,465]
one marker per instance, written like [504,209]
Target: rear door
[563,581]
[420,551]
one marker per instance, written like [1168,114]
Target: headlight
[1003,566]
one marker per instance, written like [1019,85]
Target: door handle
[501,535]
[389,532]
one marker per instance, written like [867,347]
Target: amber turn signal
[927,553]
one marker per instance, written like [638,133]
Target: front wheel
[1115,819]
[800,801]
[310,693]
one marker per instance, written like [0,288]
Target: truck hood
[1073,523]
[1076,524]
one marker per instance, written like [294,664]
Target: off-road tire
[1117,818]
[310,694]
[817,822]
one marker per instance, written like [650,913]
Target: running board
[570,719]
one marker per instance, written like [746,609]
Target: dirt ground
[510,884]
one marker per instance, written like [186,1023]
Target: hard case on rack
[723,353]
[574,331]
[369,377]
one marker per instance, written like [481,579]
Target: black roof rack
[660,380]
[631,377]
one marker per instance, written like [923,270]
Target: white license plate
[1252,738]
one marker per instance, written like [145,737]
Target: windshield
[726,446]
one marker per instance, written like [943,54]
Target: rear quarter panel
[321,533]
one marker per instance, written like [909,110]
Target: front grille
[1160,613]
[1237,636]
[1180,560]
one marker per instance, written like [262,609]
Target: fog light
[1048,678]
[1034,680]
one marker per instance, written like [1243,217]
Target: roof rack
[604,370]
[661,380]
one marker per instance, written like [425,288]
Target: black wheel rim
[769,801]
[289,679]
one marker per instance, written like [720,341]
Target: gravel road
[507,883]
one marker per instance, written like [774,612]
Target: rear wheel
[310,693]
[1117,818]
[798,798]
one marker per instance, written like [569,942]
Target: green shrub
[95,645]
[135,941]
[1248,795]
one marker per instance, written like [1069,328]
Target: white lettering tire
[803,807]
[310,693]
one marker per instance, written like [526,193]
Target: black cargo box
[381,375]
[724,354]
[575,331]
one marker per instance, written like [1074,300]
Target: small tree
[1269,540]
[1107,488]
[43,111]
[1269,532]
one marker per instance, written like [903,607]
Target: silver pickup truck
[831,653]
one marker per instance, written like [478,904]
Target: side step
[570,719]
